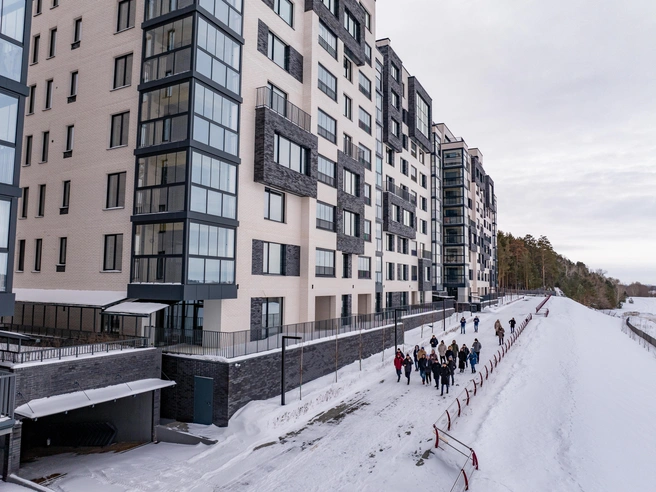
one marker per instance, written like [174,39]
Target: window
[113,257]
[394,72]
[326,171]
[66,197]
[120,129]
[365,156]
[36,41]
[367,53]
[423,116]
[37,7]
[31,100]
[214,185]
[41,208]
[73,87]
[424,204]
[413,149]
[389,242]
[367,230]
[351,224]
[364,267]
[351,25]
[325,216]
[365,85]
[48,101]
[367,18]
[25,201]
[63,242]
[395,128]
[365,121]
[218,56]
[272,312]
[423,181]
[404,166]
[331,5]
[348,69]
[327,127]
[407,218]
[327,40]
[325,263]
[290,154]
[38,247]
[55,3]
[327,83]
[351,183]
[28,150]
[413,173]
[52,48]
[45,143]
[274,205]
[122,71]
[115,190]
[389,157]
[395,213]
[285,9]
[367,194]
[126,11]
[396,101]
[424,227]
[77,33]
[348,107]
[21,256]
[389,271]
[70,137]
[273,258]
[346,266]
[278,51]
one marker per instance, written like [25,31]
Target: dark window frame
[124,127]
[115,196]
[38,250]
[125,20]
[123,63]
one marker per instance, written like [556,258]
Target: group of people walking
[500,331]
[440,365]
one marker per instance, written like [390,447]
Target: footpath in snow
[569,408]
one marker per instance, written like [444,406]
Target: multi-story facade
[246,165]
[469,220]
[14,38]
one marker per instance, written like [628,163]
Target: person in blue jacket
[473,360]
[476,321]
[463,322]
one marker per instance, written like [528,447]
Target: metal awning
[78,298]
[42,407]
[135,308]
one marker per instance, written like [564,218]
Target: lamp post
[396,310]
[282,367]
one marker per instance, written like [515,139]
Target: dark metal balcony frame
[268,99]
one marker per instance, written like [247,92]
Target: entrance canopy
[87,298]
[135,308]
[42,407]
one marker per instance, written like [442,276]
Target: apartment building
[237,166]
[14,38]
[469,220]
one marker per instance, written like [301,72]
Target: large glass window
[227,11]
[274,205]
[325,216]
[327,127]
[351,183]
[364,267]
[327,83]
[120,130]
[163,115]
[12,18]
[126,13]
[290,154]
[365,85]
[160,183]
[8,115]
[115,190]
[167,50]
[325,263]
[155,8]
[331,5]
[351,25]
[351,224]
[285,9]
[218,56]
[273,257]
[365,121]
[215,186]
[272,312]
[11,57]
[216,120]
[113,256]
[216,246]
[277,51]
[423,116]
[158,253]
[7,158]
[327,40]
[326,171]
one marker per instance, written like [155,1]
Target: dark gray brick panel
[389,111]
[267,171]
[295,64]
[392,226]
[424,284]
[292,259]
[414,88]
[295,59]
[345,201]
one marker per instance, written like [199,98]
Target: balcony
[450,182]
[453,201]
[266,98]
[454,239]
[455,162]
[426,255]
[454,259]
[354,152]
[400,192]
[454,220]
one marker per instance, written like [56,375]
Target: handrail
[266,98]
[400,192]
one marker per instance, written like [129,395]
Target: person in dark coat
[476,321]
[463,322]
[433,342]
[476,347]
[437,372]
[445,378]
[449,353]
[408,364]
[416,357]
[500,334]
[422,367]
[512,325]
[452,367]
[464,347]
[398,363]
[429,370]
[462,357]
[473,360]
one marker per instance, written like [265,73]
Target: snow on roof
[51,405]
[95,298]
[135,308]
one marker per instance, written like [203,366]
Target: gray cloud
[560,97]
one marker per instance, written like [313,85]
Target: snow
[43,407]
[140,308]
[641,313]
[568,408]
[95,298]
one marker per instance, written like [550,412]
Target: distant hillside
[529,263]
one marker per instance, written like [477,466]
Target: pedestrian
[433,342]
[407,364]
[463,322]
[464,347]
[445,378]
[449,353]
[462,358]
[441,349]
[473,360]
[437,372]
[421,352]
[476,321]
[454,349]
[476,347]
[497,325]
[429,370]
[512,325]
[416,357]
[500,334]
[422,367]
[398,363]
[452,368]
[433,355]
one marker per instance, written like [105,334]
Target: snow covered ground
[642,313]
[552,418]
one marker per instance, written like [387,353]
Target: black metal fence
[39,355]
[64,336]
[648,338]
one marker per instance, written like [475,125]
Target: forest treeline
[530,263]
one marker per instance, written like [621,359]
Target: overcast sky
[560,96]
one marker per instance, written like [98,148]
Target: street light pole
[282,367]
[396,310]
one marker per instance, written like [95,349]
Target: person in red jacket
[398,363]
